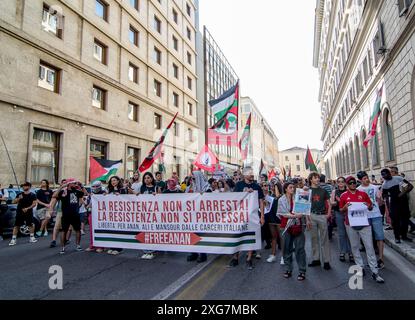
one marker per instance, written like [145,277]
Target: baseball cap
[350,178]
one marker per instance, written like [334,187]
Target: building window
[286,158]
[100,51]
[157,88]
[188,10]
[375,151]
[48,77]
[132,111]
[135,4]
[389,145]
[190,108]
[99,97]
[133,160]
[133,36]
[157,24]
[297,157]
[157,55]
[98,149]
[101,9]
[176,129]
[157,121]
[175,99]
[175,43]
[189,33]
[175,16]
[357,153]
[298,168]
[403,6]
[52,21]
[189,83]
[133,73]
[189,58]
[190,134]
[176,165]
[379,43]
[352,158]
[45,156]
[175,71]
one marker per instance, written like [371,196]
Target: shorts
[24,219]
[43,213]
[73,220]
[377,228]
[83,216]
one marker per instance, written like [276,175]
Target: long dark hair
[47,183]
[151,176]
[111,187]
[286,185]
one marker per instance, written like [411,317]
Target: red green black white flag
[206,160]
[102,169]
[309,162]
[155,152]
[374,119]
[245,139]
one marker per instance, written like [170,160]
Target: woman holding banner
[293,234]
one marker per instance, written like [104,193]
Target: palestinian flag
[225,111]
[309,162]
[206,160]
[245,139]
[156,152]
[271,174]
[101,169]
[374,118]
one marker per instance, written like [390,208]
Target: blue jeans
[344,243]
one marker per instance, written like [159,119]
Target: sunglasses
[352,183]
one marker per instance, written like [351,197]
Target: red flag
[272,174]
[206,160]
[309,162]
[244,142]
[155,152]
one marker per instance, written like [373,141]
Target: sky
[269,43]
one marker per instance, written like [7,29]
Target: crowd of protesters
[282,230]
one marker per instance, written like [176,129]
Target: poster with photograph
[302,201]
[357,213]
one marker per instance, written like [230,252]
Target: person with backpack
[293,233]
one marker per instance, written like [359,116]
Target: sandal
[351,258]
[342,258]
[301,276]
[287,274]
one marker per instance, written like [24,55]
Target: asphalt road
[25,275]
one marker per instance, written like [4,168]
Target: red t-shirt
[358,196]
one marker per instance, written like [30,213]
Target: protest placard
[302,201]
[357,214]
[205,223]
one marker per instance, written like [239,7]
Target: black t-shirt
[241,186]
[162,185]
[120,191]
[147,190]
[45,196]
[171,191]
[319,198]
[25,202]
[70,200]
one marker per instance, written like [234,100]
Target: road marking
[183,280]
[200,286]
[401,263]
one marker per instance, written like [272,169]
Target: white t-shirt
[372,192]
[136,186]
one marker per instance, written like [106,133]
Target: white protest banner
[357,213]
[222,223]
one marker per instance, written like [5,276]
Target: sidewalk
[406,249]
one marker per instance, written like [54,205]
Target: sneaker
[351,258]
[233,263]
[151,256]
[62,251]
[39,233]
[377,278]
[32,240]
[268,246]
[144,256]
[381,264]
[115,252]
[250,264]
[258,256]
[398,241]
[326,266]
[282,261]
[99,250]
[89,249]
[67,242]
[53,244]
[12,242]
[192,257]
[45,234]
[314,263]
[271,258]
[78,248]
[82,232]
[109,251]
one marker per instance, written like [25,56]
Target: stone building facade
[295,158]
[99,78]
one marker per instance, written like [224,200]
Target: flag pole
[10,160]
